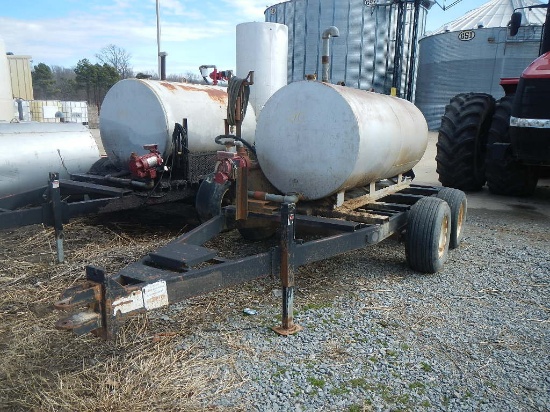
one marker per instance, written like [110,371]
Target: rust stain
[217,95]
[185,87]
[169,86]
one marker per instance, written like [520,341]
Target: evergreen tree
[43,82]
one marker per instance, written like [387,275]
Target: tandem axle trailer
[430,218]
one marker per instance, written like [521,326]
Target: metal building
[376,47]
[21,78]
[472,53]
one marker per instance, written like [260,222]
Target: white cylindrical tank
[33,150]
[263,48]
[139,112]
[6,97]
[317,139]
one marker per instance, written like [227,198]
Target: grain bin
[364,56]
[136,112]
[472,53]
[6,97]
[317,139]
[262,48]
[43,148]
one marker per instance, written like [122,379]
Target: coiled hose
[233,90]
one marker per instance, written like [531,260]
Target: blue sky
[194,32]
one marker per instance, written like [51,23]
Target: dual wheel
[435,225]
[473,130]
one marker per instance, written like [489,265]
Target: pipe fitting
[329,32]
[273,198]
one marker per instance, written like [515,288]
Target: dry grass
[43,369]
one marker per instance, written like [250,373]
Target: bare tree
[118,58]
[65,80]
[192,77]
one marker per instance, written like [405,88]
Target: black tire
[505,175]
[210,198]
[462,141]
[257,233]
[428,234]
[456,199]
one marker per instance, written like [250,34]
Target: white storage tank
[139,112]
[75,112]
[46,111]
[42,148]
[262,48]
[6,97]
[22,110]
[317,139]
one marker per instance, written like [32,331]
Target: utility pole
[158,38]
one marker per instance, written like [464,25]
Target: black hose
[233,91]
[248,145]
[218,139]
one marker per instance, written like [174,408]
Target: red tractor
[504,143]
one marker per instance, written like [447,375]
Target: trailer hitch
[94,297]
[167,275]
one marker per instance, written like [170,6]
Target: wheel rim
[443,236]
[460,221]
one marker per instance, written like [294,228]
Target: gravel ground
[378,336]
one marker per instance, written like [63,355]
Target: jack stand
[288,327]
[55,198]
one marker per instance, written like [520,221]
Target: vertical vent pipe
[325,59]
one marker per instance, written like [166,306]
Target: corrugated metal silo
[6,97]
[473,52]
[372,33]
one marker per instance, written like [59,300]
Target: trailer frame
[102,302]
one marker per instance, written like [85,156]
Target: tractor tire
[456,199]
[462,141]
[428,235]
[505,175]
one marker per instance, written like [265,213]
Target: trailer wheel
[257,233]
[505,175]
[210,198]
[462,141]
[428,234]
[456,199]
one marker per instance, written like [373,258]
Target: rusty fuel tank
[140,112]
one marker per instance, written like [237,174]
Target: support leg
[288,327]
[55,198]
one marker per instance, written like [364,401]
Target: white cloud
[250,10]
[177,8]
[193,32]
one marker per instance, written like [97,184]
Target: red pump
[146,166]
